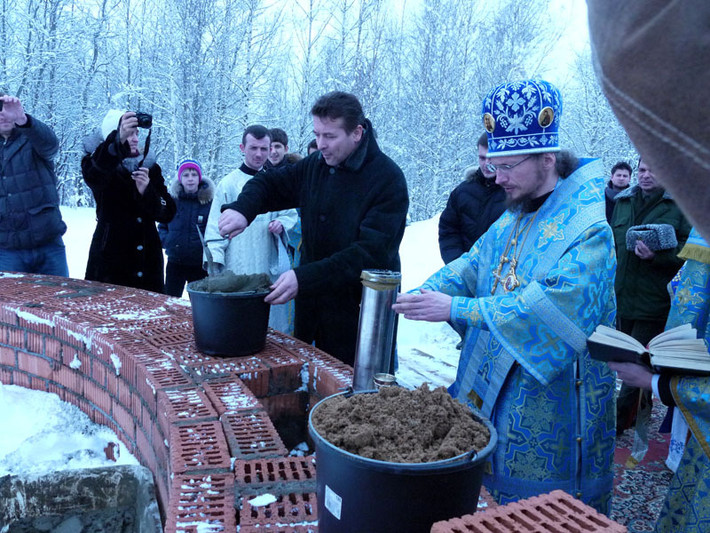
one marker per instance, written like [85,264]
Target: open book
[678,348]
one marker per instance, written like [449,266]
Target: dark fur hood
[476,174]
[205,191]
[469,174]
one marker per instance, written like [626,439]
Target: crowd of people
[312,224]
[540,247]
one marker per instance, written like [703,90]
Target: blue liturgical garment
[687,506]
[524,362]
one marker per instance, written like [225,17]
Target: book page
[613,337]
[680,348]
[684,353]
[682,364]
[682,332]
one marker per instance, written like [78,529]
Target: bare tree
[207,68]
[589,125]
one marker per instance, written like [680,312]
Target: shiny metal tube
[375,339]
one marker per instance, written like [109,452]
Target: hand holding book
[678,348]
[633,374]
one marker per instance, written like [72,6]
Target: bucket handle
[472,456]
[469,457]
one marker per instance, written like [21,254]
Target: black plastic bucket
[229,323]
[360,495]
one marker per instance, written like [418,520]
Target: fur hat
[656,236]
[110,121]
[189,163]
[522,117]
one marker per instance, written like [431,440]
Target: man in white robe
[261,248]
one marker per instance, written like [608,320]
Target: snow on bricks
[199,447]
[230,396]
[183,405]
[287,510]
[252,434]
[200,423]
[201,504]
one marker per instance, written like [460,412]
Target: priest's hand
[284,289]
[432,306]
[231,223]
[633,375]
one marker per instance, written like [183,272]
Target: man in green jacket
[643,273]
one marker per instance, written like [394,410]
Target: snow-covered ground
[427,351]
[41,433]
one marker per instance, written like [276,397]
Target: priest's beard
[526,202]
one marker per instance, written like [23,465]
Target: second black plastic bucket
[229,324]
[360,495]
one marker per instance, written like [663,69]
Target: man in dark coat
[353,201]
[619,181]
[130,196]
[472,207]
[31,225]
[643,274]
[193,196]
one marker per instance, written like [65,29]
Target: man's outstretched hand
[13,110]
[231,223]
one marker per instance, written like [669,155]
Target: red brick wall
[200,423]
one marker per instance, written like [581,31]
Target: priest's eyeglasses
[505,168]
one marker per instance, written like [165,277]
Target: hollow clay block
[553,512]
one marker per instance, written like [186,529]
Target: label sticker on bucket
[333,502]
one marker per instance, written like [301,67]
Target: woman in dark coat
[193,195]
[131,197]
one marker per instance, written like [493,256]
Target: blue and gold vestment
[687,505]
[524,363]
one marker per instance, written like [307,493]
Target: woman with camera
[131,197]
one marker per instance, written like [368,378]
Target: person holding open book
[649,231]
[687,505]
[526,296]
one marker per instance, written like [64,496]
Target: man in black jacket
[353,201]
[472,207]
[31,225]
[619,181]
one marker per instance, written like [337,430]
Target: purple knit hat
[189,163]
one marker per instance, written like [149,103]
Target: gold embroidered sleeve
[466,312]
